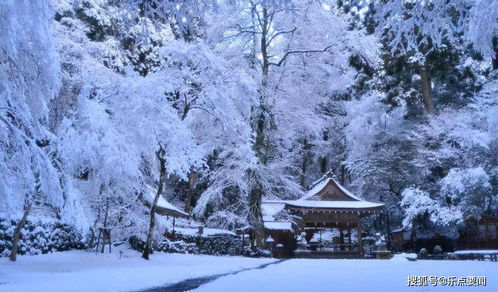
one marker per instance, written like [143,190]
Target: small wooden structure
[485,235]
[282,234]
[104,236]
[400,239]
[164,207]
[326,206]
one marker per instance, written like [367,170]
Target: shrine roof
[163,206]
[326,193]
[278,225]
[334,204]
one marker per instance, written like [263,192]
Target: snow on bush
[177,247]
[39,237]
[423,253]
[469,189]
[463,194]
[417,202]
[437,250]
[210,245]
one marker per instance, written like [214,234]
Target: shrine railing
[333,247]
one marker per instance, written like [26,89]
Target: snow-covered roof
[334,204]
[342,199]
[205,231]
[323,182]
[162,203]
[271,208]
[278,225]
[401,229]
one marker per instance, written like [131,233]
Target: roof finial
[330,174]
[327,175]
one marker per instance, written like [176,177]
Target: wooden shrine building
[328,221]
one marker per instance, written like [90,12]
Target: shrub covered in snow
[136,243]
[220,245]
[224,244]
[423,254]
[437,250]
[256,252]
[177,247]
[39,237]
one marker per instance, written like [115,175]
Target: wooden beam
[360,240]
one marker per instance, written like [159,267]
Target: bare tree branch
[282,60]
[280,33]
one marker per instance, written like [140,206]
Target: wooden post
[341,237]
[360,240]
[174,233]
[485,222]
[350,233]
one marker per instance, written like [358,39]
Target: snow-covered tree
[464,194]
[422,210]
[482,28]
[418,29]
[32,177]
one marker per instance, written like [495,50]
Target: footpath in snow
[84,271]
[303,275]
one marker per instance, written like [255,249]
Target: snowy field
[354,275]
[83,271]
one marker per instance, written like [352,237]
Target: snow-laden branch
[292,52]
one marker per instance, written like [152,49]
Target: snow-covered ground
[83,271]
[477,251]
[354,275]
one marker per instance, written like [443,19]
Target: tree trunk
[255,216]
[426,89]
[323,164]
[495,47]
[304,163]
[343,174]
[388,227]
[152,223]
[190,192]
[17,233]
[105,226]
[265,66]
